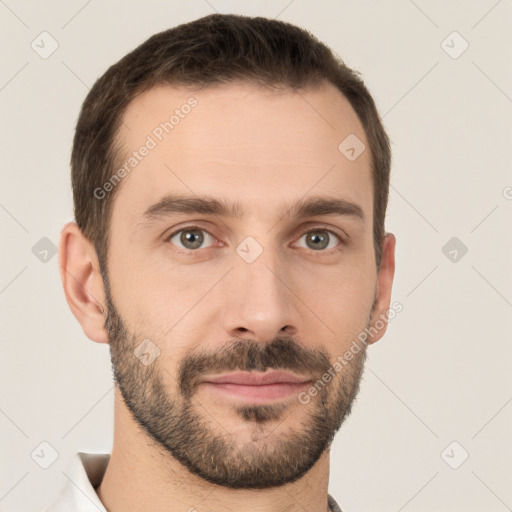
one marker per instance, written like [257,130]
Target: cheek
[167,302]
[145,286]
[338,300]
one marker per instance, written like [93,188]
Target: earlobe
[379,317]
[82,281]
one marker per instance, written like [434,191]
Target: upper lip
[257,379]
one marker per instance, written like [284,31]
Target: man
[230,179]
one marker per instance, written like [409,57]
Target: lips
[257,387]
[257,379]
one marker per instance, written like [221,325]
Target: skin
[266,150]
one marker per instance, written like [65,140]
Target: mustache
[250,355]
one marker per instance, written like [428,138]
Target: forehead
[239,142]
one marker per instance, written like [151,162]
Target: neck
[143,476]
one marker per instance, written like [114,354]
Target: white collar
[82,475]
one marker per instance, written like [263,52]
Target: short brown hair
[215,49]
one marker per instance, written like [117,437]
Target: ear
[82,281]
[378,323]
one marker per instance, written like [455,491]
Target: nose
[261,304]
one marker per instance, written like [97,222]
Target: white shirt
[84,474]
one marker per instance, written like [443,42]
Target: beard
[185,429]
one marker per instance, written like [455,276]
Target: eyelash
[339,247]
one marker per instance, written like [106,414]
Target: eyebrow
[172,204]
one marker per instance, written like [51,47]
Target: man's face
[262,291]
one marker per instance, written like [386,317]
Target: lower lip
[261,393]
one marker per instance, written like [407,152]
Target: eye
[191,238]
[320,239]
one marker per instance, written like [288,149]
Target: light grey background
[441,373]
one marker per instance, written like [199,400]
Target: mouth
[257,387]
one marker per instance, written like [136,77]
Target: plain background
[442,372]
